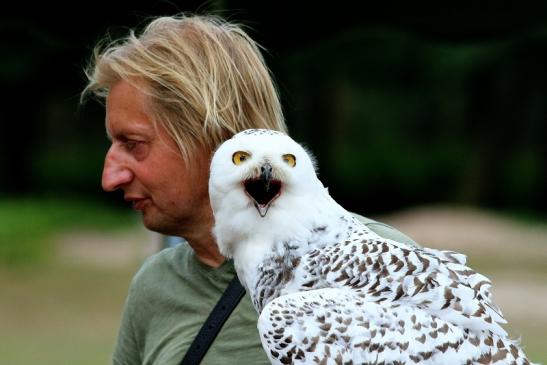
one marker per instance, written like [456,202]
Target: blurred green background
[422,117]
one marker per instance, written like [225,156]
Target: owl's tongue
[263,193]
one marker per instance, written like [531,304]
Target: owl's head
[258,169]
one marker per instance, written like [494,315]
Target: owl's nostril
[266,168]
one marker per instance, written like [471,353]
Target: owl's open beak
[263,190]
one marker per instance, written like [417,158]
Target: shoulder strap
[218,316]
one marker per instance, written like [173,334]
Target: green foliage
[390,113]
[27,225]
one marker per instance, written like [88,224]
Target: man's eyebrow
[125,132]
[116,136]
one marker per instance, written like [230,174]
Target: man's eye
[130,145]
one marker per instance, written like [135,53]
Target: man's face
[146,164]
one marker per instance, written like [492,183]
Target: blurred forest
[401,105]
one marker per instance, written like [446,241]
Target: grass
[534,344]
[61,314]
[26,224]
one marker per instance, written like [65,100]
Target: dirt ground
[80,295]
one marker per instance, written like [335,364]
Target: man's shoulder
[156,262]
[385,230]
[159,267]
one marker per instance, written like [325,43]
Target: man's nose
[115,171]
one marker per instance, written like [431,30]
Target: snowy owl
[330,291]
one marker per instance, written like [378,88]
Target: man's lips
[138,203]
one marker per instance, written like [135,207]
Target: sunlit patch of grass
[531,337]
[26,224]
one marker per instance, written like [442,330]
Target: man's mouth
[138,203]
[263,193]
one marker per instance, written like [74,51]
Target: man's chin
[156,224]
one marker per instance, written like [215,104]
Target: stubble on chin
[159,223]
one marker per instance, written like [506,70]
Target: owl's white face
[257,169]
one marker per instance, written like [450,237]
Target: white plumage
[328,289]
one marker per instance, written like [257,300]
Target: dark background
[402,105]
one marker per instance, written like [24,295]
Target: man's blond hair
[204,77]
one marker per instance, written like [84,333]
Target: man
[173,94]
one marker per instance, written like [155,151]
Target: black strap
[210,329]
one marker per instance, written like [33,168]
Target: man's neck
[198,234]
[201,239]
[206,250]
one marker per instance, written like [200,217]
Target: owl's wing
[338,326]
[437,282]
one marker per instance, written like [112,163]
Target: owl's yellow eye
[289,160]
[239,157]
